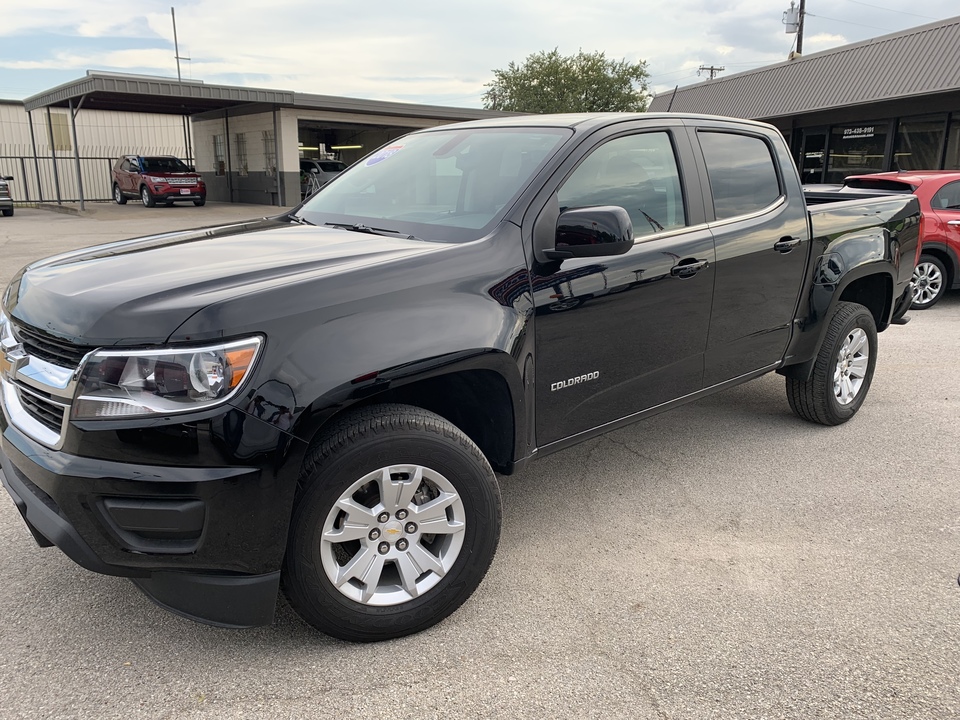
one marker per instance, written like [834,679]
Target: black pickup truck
[319,401]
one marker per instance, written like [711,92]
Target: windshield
[163,164]
[446,185]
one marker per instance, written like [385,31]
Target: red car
[156,179]
[938,267]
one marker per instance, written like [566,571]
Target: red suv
[156,179]
[938,267]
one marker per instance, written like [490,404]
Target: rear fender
[861,263]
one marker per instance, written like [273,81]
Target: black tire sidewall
[861,318]
[326,607]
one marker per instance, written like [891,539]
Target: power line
[902,12]
[847,22]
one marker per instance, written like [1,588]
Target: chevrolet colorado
[319,401]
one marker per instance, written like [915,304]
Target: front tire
[8,212]
[843,369]
[201,202]
[146,197]
[396,523]
[929,282]
[118,197]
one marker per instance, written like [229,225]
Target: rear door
[617,335]
[760,229]
[946,205]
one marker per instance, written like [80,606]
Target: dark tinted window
[638,173]
[163,164]
[948,198]
[918,144]
[332,166]
[743,178]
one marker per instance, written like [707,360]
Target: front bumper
[167,193]
[204,541]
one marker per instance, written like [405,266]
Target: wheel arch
[870,285]
[948,257]
[481,393]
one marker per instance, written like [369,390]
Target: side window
[637,172]
[125,165]
[948,198]
[743,177]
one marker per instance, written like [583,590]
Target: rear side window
[948,198]
[743,177]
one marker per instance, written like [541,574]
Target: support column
[76,147]
[226,138]
[53,157]
[276,158]
[36,162]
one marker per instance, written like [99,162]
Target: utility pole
[803,12]
[714,71]
[793,20]
[176,55]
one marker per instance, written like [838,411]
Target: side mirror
[8,178]
[315,171]
[191,168]
[592,232]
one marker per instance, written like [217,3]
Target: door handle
[786,244]
[953,222]
[688,267]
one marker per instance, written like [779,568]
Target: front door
[618,335]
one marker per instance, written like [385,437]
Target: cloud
[387,50]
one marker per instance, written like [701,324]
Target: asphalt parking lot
[723,560]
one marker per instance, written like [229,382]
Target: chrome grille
[46,347]
[182,181]
[45,411]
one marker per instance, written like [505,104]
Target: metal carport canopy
[146,94]
[138,93]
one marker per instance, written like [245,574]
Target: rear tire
[843,369]
[929,282]
[146,197]
[396,523]
[118,197]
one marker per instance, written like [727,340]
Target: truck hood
[139,291]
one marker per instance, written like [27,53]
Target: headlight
[153,179]
[117,384]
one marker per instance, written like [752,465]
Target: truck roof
[589,120]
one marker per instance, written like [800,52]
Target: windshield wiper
[298,219]
[361,228]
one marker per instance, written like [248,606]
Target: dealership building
[889,103]
[60,145]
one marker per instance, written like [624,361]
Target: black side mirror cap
[592,232]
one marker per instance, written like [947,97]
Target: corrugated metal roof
[917,61]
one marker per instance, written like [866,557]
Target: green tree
[548,82]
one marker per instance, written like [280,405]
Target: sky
[438,52]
